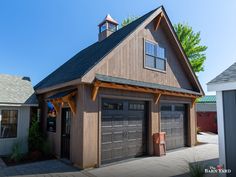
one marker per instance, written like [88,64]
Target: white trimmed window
[8,123]
[154,56]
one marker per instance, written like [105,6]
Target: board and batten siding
[6,144]
[127,61]
[229,105]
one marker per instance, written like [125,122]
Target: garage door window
[136,106]
[179,108]
[112,106]
[166,108]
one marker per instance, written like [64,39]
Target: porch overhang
[62,98]
[102,81]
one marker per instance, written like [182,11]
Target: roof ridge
[11,75]
[225,75]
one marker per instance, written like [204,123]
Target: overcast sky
[36,37]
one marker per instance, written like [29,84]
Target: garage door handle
[125,133]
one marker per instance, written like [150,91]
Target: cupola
[107,27]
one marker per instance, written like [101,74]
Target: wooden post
[193,123]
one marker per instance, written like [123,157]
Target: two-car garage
[124,128]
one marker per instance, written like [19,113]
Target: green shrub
[196,169]
[16,152]
[35,139]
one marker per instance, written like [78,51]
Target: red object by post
[159,142]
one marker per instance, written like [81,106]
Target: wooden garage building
[110,98]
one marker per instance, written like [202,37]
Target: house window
[103,27]
[155,56]
[51,118]
[111,27]
[8,123]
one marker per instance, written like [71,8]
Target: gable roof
[75,68]
[229,75]
[16,90]
[78,65]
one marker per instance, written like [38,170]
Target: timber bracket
[158,21]
[69,98]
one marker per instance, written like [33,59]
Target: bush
[196,169]
[35,136]
[16,152]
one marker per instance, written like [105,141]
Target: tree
[128,20]
[190,42]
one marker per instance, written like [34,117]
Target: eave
[102,81]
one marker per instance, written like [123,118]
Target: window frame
[155,57]
[17,125]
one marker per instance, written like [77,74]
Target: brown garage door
[173,122]
[123,130]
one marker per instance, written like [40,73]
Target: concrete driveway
[210,138]
[175,163]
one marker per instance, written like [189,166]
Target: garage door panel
[123,131]
[107,137]
[106,155]
[117,136]
[172,122]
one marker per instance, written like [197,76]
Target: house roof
[16,90]
[79,65]
[109,19]
[118,80]
[61,94]
[229,75]
[83,61]
[207,99]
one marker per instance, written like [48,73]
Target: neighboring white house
[16,101]
[225,87]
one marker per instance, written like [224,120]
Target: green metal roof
[207,99]
[143,84]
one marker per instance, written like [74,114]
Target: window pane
[8,124]
[150,48]
[112,106]
[111,27]
[161,64]
[150,61]
[160,52]
[136,106]
[103,27]
[166,108]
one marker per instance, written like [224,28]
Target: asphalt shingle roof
[142,84]
[16,90]
[82,62]
[229,75]
[61,94]
[207,99]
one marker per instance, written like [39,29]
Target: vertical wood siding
[127,61]
[229,105]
